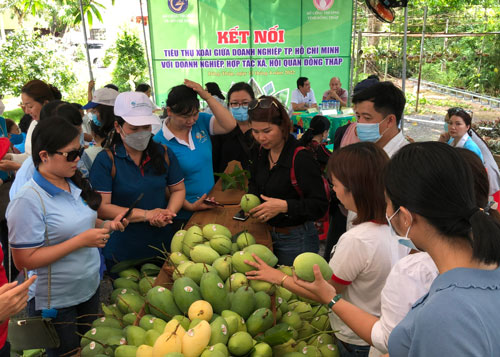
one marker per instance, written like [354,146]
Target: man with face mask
[379,109]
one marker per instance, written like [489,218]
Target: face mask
[445,126]
[82,139]
[369,132]
[137,141]
[16,139]
[240,114]
[2,107]
[407,242]
[93,117]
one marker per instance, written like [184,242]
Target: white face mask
[137,141]
[2,107]
[407,242]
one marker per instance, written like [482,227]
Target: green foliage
[490,132]
[131,67]
[236,179]
[27,56]
[15,114]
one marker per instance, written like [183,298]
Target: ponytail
[90,196]
[485,237]
[306,137]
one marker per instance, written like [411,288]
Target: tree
[25,56]
[130,59]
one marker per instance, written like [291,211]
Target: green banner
[267,43]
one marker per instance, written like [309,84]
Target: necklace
[273,163]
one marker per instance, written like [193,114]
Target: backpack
[293,177]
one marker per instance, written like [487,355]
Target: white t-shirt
[409,280]
[364,256]
[298,98]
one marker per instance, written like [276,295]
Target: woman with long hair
[54,229]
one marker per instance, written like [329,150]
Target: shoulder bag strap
[113,167]
[46,243]
[293,177]
[167,159]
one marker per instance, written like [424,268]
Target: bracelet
[334,300]
[145,212]
[283,280]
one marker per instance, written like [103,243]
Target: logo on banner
[323,5]
[178,6]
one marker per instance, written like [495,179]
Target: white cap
[104,96]
[136,109]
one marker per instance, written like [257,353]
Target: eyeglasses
[71,155]
[263,103]
[237,105]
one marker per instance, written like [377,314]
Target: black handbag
[34,332]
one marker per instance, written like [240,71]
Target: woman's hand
[199,205]
[444,137]
[321,288]
[116,224]
[269,209]
[264,272]
[163,217]
[8,165]
[204,94]
[95,237]
[14,297]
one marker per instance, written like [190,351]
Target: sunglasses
[456,110]
[71,155]
[263,103]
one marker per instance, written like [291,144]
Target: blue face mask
[93,117]
[16,139]
[445,126]
[240,114]
[369,132]
[407,242]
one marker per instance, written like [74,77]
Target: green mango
[107,322]
[145,284]
[186,291]
[240,343]
[244,240]
[130,273]
[183,320]
[159,325]
[264,286]
[212,229]
[174,354]
[284,293]
[262,299]
[126,283]
[321,323]
[193,323]
[235,281]
[93,349]
[234,248]
[100,334]
[212,290]
[293,319]
[321,340]
[177,240]
[193,237]
[181,269]
[151,337]
[135,335]
[219,348]
[178,258]
[203,254]
[219,331]
[261,320]
[306,330]
[221,244]
[284,348]
[303,309]
[239,261]
[147,322]
[112,311]
[125,351]
[116,340]
[223,267]
[263,253]
[329,350]
[130,303]
[303,266]
[116,292]
[262,349]
[243,301]
[196,270]
[234,321]
[161,303]
[208,353]
[286,269]
[129,319]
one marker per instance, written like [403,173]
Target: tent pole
[403,75]
[353,38]
[147,52]
[84,29]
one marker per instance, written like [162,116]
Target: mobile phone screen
[240,216]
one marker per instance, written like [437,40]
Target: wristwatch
[334,300]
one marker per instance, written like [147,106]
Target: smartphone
[132,206]
[212,203]
[240,216]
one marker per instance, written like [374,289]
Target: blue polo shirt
[75,277]
[195,157]
[130,180]
[460,316]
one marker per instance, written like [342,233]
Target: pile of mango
[211,309]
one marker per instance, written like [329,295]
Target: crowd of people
[414,237]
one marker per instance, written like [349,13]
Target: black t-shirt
[234,145]
[276,183]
